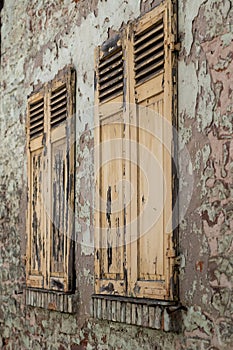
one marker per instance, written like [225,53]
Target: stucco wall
[38,39]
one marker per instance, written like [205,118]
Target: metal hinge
[174,45]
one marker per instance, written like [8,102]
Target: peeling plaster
[39,38]
[187,14]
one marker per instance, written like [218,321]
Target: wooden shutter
[153,97]
[110,170]
[35,217]
[51,135]
[144,266]
[61,149]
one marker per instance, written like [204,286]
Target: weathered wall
[205,124]
[38,39]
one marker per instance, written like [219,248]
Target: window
[135,246]
[50,148]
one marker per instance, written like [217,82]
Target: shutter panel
[35,218]
[61,152]
[153,81]
[110,171]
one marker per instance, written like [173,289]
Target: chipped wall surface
[38,39]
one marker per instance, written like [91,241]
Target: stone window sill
[156,314]
[50,300]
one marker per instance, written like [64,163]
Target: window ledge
[156,314]
[50,300]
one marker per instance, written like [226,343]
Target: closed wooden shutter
[62,130]
[51,185]
[109,165]
[153,81]
[36,234]
[143,265]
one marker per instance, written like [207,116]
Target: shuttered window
[136,103]
[50,223]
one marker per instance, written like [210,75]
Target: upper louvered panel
[36,117]
[58,106]
[149,52]
[111,75]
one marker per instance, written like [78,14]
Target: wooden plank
[123,312]
[118,311]
[128,313]
[151,314]
[99,308]
[114,311]
[145,316]
[139,315]
[134,314]
[104,309]
[109,312]
[158,317]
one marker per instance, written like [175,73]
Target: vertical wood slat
[99,309]
[128,313]
[65,303]
[95,304]
[151,314]
[70,305]
[134,317]
[109,308]
[104,309]
[123,312]
[92,308]
[145,316]
[158,318]
[139,315]
[113,310]
[118,311]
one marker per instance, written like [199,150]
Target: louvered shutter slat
[58,106]
[36,106]
[149,33]
[148,71]
[107,60]
[58,92]
[62,98]
[112,82]
[158,47]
